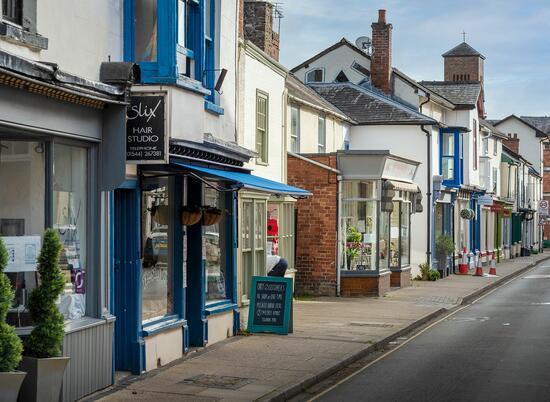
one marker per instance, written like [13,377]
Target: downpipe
[428,185]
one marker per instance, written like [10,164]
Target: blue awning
[249,181]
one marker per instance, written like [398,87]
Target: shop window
[400,231]
[262,126]
[359,217]
[22,215]
[156,272]
[295,128]
[405,241]
[280,231]
[253,242]
[321,134]
[70,210]
[384,243]
[215,245]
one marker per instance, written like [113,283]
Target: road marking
[337,384]
[536,277]
[505,323]
[541,304]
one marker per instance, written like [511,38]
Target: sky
[513,35]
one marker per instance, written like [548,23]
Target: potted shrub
[42,358]
[10,344]
[444,246]
[353,238]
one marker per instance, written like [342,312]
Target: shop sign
[543,207]
[496,208]
[146,138]
[485,200]
[22,252]
[270,304]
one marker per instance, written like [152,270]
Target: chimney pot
[381,16]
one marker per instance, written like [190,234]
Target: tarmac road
[497,349]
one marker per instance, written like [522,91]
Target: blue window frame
[174,42]
[451,157]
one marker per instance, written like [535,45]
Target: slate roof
[462,49]
[413,82]
[342,42]
[495,131]
[463,94]
[301,92]
[541,122]
[369,107]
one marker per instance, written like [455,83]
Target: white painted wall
[408,142]
[254,76]
[405,91]
[309,124]
[81,35]
[340,59]
[530,146]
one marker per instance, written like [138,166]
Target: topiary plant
[10,344]
[47,336]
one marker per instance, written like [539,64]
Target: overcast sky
[513,35]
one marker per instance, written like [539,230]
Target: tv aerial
[365,44]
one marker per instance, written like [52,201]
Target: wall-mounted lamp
[221,78]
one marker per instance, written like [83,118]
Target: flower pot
[191,216]
[44,378]
[10,383]
[161,214]
[211,216]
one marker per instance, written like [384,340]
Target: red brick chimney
[512,143]
[381,58]
[258,26]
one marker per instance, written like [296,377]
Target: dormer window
[315,75]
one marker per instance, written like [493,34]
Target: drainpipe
[339,254]
[429,185]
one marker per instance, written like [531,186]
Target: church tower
[463,63]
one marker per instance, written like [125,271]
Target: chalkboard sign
[270,304]
[146,139]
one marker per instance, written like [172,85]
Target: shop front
[375,201]
[60,155]
[180,270]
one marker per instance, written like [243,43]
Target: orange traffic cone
[493,269]
[479,267]
[463,266]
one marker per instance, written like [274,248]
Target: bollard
[479,267]
[493,269]
[463,266]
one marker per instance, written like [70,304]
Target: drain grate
[217,381]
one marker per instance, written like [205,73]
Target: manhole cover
[369,324]
[217,381]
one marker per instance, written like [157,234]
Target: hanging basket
[161,214]
[211,216]
[467,213]
[191,216]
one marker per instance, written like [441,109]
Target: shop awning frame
[403,186]
[248,181]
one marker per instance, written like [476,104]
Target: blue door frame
[126,289]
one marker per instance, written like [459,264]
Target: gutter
[429,185]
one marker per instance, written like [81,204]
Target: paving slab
[329,333]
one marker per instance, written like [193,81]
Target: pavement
[493,350]
[329,334]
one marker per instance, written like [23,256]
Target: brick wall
[258,26]
[356,286]
[465,66]
[382,56]
[512,143]
[316,236]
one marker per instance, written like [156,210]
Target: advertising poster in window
[22,252]
[146,138]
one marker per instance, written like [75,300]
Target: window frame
[475,161]
[295,137]
[313,70]
[321,135]
[254,247]
[457,157]
[263,151]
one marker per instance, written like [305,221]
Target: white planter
[10,383]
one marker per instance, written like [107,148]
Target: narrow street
[496,349]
